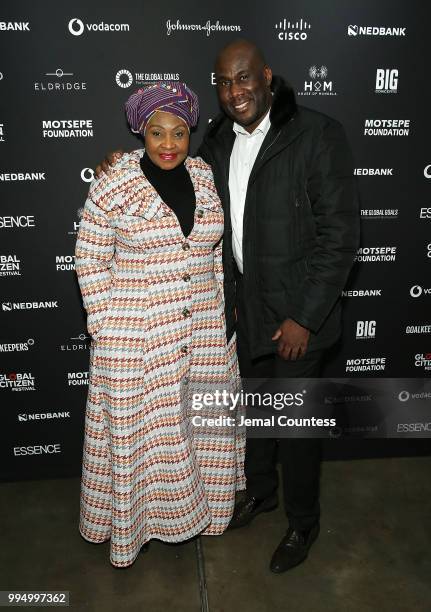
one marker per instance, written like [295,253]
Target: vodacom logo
[76,26]
[427,171]
[87,175]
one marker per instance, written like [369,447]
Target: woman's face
[166,140]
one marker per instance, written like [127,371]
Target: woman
[148,260]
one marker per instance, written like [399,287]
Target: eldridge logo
[9,306]
[68,128]
[17,381]
[365,330]
[318,85]
[386,81]
[22,176]
[387,127]
[10,265]
[423,360]
[376,254]
[417,291]
[80,343]
[87,175]
[21,221]
[77,379]
[355,30]
[14,26]
[40,449]
[42,416]
[362,293]
[16,346]
[366,364]
[64,262]
[292,30]
[77,27]
[59,81]
[124,78]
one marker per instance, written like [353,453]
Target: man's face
[243,87]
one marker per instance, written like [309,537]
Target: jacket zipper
[270,145]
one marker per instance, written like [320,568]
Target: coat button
[186,277]
[200,214]
[186,246]
[186,312]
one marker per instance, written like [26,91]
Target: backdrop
[65,73]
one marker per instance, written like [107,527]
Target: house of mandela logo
[318,85]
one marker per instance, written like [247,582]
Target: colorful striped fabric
[154,301]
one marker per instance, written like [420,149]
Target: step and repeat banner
[65,73]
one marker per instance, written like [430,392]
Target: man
[285,177]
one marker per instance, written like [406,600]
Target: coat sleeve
[93,257]
[332,194]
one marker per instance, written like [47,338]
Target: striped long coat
[154,302]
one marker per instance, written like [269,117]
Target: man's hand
[292,340]
[110,160]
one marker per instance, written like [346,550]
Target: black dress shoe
[293,549]
[248,508]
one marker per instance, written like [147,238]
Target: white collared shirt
[244,153]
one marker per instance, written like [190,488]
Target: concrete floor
[373,553]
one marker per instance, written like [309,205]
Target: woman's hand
[109,161]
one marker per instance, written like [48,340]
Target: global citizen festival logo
[417,291]
[365,330]
[77,27]
[59,81]
[10,265]
[124,78]
[11,347]
[292,30]
[318,86]
[423,360]
[386,81]
[67,128]
[387,127]
[208,28]
[355,30]
[17,381]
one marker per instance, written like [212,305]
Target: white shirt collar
[263,127]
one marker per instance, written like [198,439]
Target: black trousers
[300,457]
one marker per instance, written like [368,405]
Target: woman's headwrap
[168,96]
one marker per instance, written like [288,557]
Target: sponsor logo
[77,343]
[9,306]
[77,378]
[64,262]
[12,347]
[10,265]
[386,81]
[39,449]
[77,27]
[124,78]
[22,221]
[425,213]
[362,293]
[42,416]
[87,175]
[387,127]
[17,381]
[346,399]
[292,30]
[318,85]
[2,134]
[376,254]
[355,30]
[67,128]
[373,172]
[379,213]
[417,291]
[429,250]
[423,360]
[208,28]
[366,364]
[22,176]
[413,427]
[418,329]
[404,396]
[14,26]
[75,229]
[59,81]
[365,330]
[427,169]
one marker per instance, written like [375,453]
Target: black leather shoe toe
[293,549]
[247,509]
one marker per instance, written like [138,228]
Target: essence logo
[365,330]
[386,80]
[292,30]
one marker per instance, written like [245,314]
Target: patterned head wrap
[168,96]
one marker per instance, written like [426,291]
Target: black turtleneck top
[176,189]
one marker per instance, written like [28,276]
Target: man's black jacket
[301,222]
